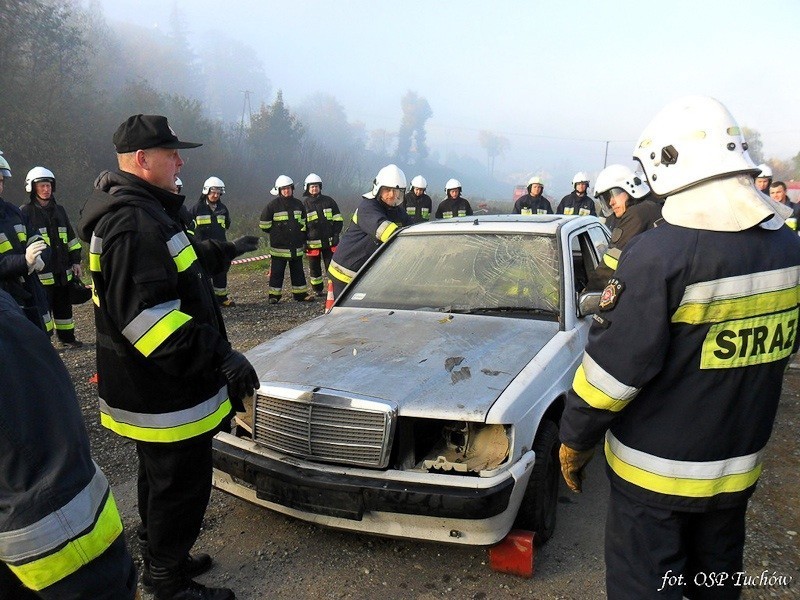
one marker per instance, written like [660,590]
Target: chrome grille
[326,428]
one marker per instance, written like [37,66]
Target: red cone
[329,299]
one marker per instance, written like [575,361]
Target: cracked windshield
[457,273]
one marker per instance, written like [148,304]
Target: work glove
[39,264]
[573,463]
[312,252]
[77,270]
[246,243]
[241,376]
[32,252]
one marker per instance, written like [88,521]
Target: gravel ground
[265,555]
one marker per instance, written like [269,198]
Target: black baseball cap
[140,132]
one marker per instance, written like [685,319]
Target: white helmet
[620,176]
[5,168]
[37,174]
[313,178]
[535,180]
[451,185]
[390,176]
[691,140]
[419,182]
[178,183]
[214,182]
[281,182]
[581,177]
[766,171]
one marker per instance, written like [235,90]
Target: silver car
[426,403]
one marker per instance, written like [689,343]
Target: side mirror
[589,303]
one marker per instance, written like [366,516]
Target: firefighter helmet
[535,180]
[692,139]
[764,171]
[37,174]
[419,182]
[281,182]
[313,178]
[5,168]
[451,185]
[214,182]
[581,177]
[390,176]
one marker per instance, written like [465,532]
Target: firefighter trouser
[315,268]
[298,276]
[668,555]
[220,284]
[61,308]
[174,488]
[110,576]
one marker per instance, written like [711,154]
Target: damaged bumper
[462,509]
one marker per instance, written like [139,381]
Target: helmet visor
[605,199]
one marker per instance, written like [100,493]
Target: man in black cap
[167,375]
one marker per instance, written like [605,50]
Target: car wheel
[538,509]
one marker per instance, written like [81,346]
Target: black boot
[174,585]
[192,566]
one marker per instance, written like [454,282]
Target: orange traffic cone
[329,299]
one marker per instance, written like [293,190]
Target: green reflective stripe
[689,479]
[47,278]
[313,216]
[610,261]
[168,427]
[181,250]
[221,221]
[316,280]
[447,214]
[337,217]
[48,322]
[95,249]
[314,243]
[385,230]
[202,220]
[265,225]
[30,552]
[339,272]
[599,389]
[281,252]
[425,212]
[739,297]
[64,324]
[752,341]
[526,211]
[151,327]
[5,245]
[791,222]
[355,217]
[22,234]
[74,244]
[281,216]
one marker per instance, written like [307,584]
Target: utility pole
[245,108]
[605,158]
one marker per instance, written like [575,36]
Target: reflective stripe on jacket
[210,224]
[284,220]
[323,221]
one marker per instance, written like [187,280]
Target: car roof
[538,224]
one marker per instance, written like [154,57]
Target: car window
[463,273]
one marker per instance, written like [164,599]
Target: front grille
[326,428]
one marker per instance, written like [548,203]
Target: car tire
[538,509]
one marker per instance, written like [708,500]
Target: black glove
[246,243]
[241,376]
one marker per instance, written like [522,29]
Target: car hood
[429,364]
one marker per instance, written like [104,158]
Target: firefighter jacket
[284,220]
[323,220]
[15,235]
[572,204]
[210,224]
[684,364]
[160,336]
[53,225]
[532,205]
[57,512]
[418,207]
[374,222]
[449,208]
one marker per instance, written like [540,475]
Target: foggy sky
[558,79]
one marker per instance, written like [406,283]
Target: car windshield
[463,273]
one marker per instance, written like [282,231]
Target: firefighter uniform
[324,222]
[682,373]
[573,204]
[160,343]
[450,207]
[212,224]
[60,531]
[374,222]
[532,205]
[284,220]
[418,208]
[15,235]
[53,225]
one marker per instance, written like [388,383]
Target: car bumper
[433,506]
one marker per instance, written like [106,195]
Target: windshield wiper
[464,310]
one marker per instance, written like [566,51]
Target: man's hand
[573,463]
[77,270]
[246,243]
[32,252]
[241,376]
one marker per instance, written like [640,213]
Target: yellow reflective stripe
[175,433]
[739,297]
[160,331]
[48,322]
[599,389]
[94,262]
[64,324]
[746,342]
[5,245]
[340,273]
[95,249]
[337,217]
[313,216]
[385,230]
[47,278]
[202,220]
[181,250]
[611,258]
[689,487]
[265,225]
